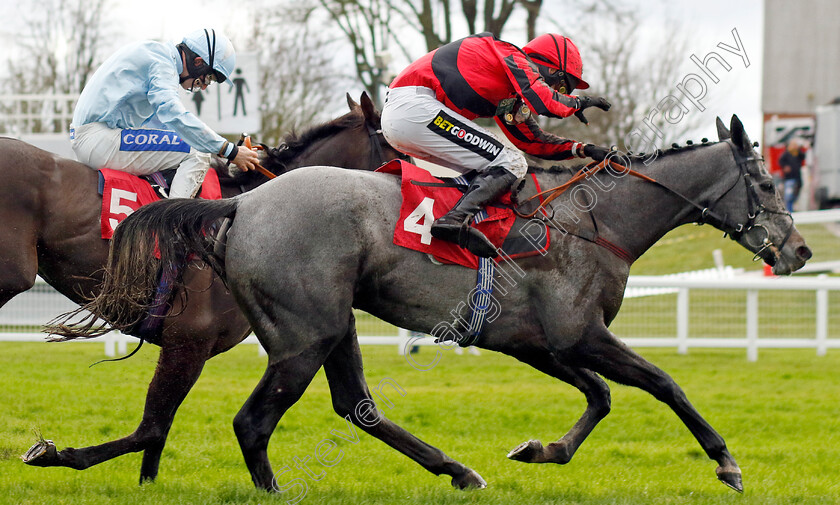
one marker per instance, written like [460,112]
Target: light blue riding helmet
[215,49]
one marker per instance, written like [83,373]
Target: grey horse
[297,278]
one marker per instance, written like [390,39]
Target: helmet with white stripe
[215,49]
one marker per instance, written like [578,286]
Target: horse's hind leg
[597,395]
[284,381]
[178,369]
[352,400]
[607,355]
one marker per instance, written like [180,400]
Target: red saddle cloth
[422,204]
[123,193]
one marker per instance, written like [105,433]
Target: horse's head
[380,150]
[751,210]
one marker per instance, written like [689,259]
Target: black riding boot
[455,225]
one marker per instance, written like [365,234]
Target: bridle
[377,155]
[738,229]
[376,158]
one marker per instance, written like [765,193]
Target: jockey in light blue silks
[129,116]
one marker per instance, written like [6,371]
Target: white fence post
[404,337]
[40,305]
[110,344]
[752,325]
[682,320]
[122,343]
[822,319]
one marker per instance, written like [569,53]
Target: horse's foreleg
[178,369]
[597,395]
[607,355]
[352,400]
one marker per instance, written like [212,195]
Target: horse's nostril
[803,253]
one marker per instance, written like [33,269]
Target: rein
[735,230]
[246,139]
[583,173]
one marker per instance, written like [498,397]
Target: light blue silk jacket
[138,87]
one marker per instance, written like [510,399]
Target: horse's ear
[351,103]
[739,135]
[371,115]
[723,133]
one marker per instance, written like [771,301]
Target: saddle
[426,197]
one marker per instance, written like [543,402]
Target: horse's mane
[294,143]
[278,158]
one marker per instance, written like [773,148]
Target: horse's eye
[767,186]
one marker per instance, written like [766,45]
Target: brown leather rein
[590,169]
[246,139]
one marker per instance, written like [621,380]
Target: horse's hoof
[469,480]
[43,453]
[731,477]
[526,452]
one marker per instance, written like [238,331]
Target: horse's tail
[148,245]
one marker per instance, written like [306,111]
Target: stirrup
[467,237]
[477,243]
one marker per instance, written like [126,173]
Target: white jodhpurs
[141,151]
[416,123]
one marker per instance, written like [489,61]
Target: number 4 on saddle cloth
[123,193]
[426,198]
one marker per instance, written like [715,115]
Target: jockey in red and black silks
[430,106]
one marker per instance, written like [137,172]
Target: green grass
[690,247]
[778,415]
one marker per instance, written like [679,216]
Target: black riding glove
[600,153]
[597,153]
[588,101]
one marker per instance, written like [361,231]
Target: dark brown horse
[49,225]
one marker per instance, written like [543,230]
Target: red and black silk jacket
[474,74]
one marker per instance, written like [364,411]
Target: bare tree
[301,84]
[366,24]
[373,26]
[377,28]
[634,79]
[532,8]
[60,47]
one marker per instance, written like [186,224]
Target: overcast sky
[739,90]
